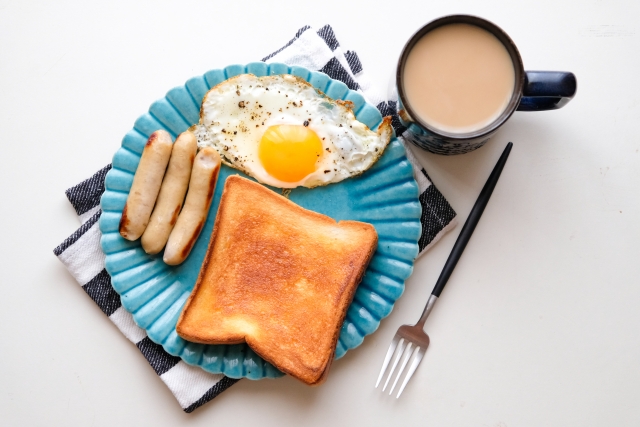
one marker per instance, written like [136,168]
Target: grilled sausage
[196,207]
[174,187]
[146,185]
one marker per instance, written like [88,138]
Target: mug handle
[547,90]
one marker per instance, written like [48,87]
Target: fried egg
[284,133]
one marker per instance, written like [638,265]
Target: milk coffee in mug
[460,78]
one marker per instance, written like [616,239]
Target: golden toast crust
[278,277]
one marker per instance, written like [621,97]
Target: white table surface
[540,322]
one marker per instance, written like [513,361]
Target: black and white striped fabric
[83,257]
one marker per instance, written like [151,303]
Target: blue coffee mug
[534,91]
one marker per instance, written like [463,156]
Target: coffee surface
[458,78]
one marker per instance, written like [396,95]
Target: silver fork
[412,341]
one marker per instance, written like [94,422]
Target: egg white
[236,113]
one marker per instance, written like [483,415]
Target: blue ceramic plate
[385,196]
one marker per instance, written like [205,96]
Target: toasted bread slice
[278,277]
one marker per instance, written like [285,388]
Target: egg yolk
[289,152]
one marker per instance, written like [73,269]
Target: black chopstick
[471,222]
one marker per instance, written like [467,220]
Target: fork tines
[403,347]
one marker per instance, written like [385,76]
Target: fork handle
[470,224]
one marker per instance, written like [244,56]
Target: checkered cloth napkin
[83,257]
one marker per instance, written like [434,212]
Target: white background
[540,322]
